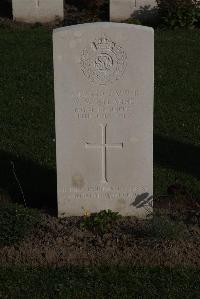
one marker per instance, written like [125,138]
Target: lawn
[177,109]
[99,282]
[27,131]
[27,138]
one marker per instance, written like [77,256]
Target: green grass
[177,109]
[27,111]
[26,93]
[26,138]
[99,282]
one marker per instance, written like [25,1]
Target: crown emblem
[103,43]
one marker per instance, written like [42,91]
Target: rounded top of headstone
[103,57]
[103,25]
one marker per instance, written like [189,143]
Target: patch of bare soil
[59,242]
[129,241]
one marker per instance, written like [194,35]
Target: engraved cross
[37,3]
[104,146]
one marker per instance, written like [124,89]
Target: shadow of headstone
[177,155]
[6,9]
[29,183]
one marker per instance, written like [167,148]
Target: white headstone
[104,118]
[121,10]
[42,11]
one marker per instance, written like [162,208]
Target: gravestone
[42,11]
[123,9]
[103,74]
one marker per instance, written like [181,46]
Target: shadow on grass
[6,9]
[176,155]
[38,183]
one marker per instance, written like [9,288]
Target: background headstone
[123,9]
[42,11]
[104,118]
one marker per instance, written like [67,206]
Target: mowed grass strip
[177,109]
[27,128]
[99,282]
[26,94]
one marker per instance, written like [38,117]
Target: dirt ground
[59,242]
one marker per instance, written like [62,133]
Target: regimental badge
[103,61]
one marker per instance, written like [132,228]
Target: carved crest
[103,61]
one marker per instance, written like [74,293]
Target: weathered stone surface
[104,118]
[123,9]
[42,11]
